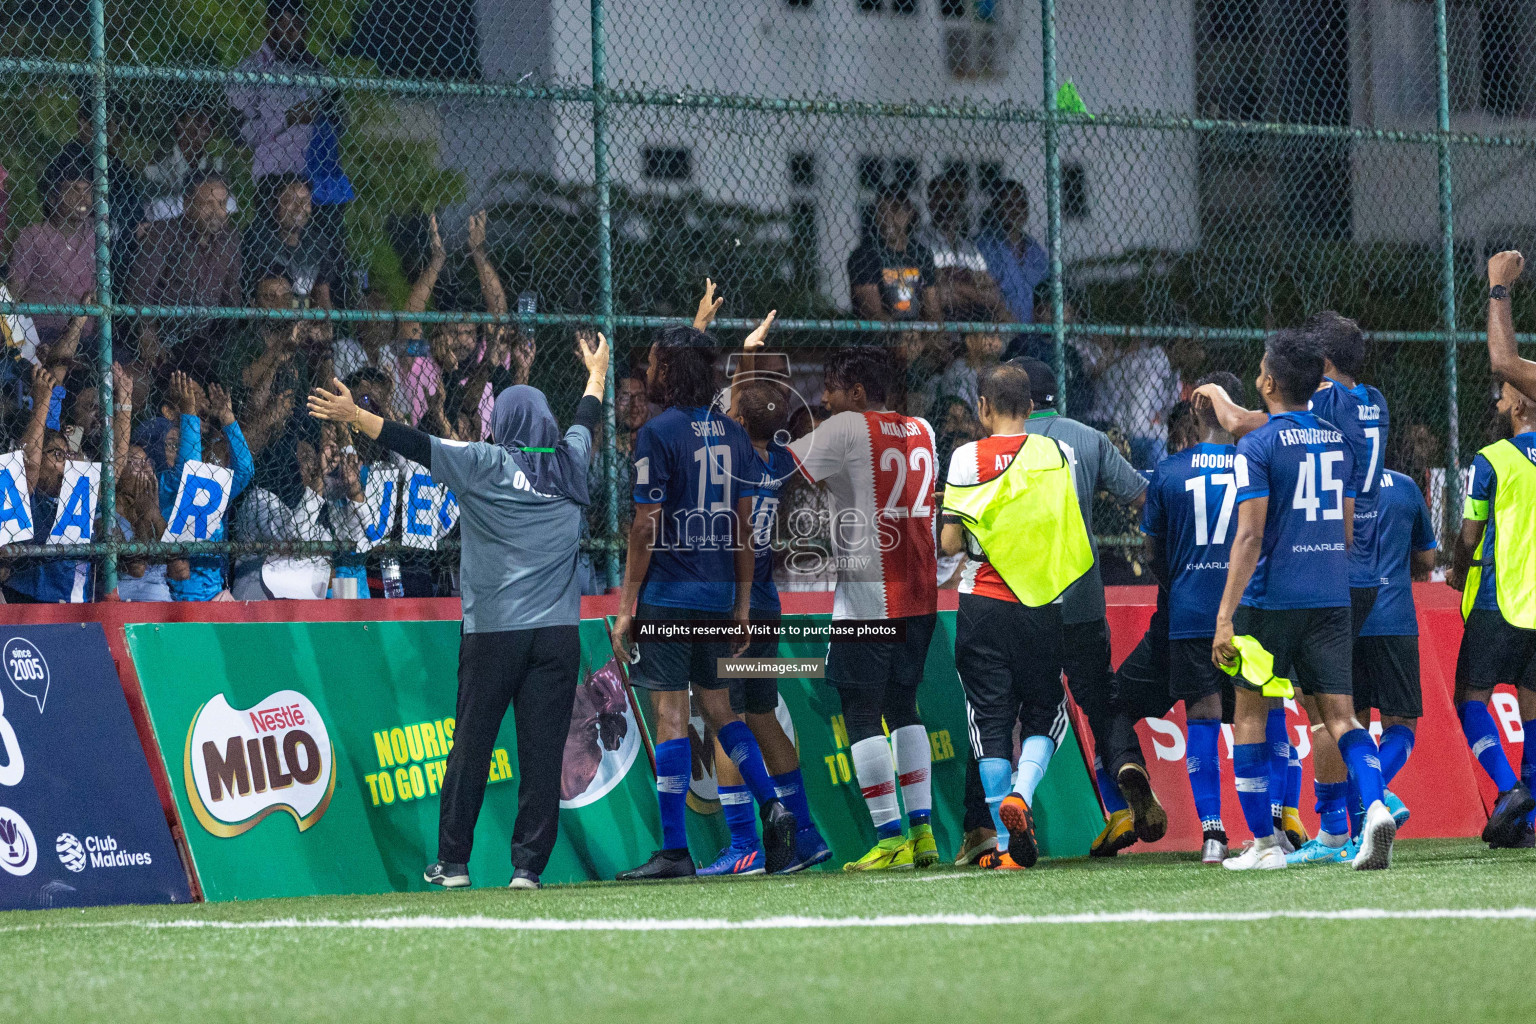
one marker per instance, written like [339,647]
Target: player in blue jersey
[1287,591]
[1492,560]
[1359,412]
[1189,523]
[690,560]
[1386,656]
[760,402]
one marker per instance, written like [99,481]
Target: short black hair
[1340,338]
[685,360]
[1295,361]
[898,196]
[860,364]
[277,8]
[1042,380]
[764,408]
[1006,388]
[1183,426]
[1224,379]
[270,189]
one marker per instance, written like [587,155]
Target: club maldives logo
[18,850]
[242,765]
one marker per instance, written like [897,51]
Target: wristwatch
[1498,292]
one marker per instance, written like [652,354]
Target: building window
[802,170]
[666,163]
[974,42]
[1074,191]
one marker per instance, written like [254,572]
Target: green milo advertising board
[1067,813]
[307,757]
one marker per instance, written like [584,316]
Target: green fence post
[1447,268]
[1053,197]
[107,500]
[600,183]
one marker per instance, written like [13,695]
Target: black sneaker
[779,827]
[1147,815]
[1507,822]
[522,878]
[447,874]
[1524,839]
[662,865]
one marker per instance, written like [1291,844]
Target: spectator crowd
[209,410]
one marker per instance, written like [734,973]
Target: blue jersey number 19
[714,470]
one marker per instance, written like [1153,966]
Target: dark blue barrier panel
[80,824]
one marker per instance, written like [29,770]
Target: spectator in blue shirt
[184,438]
[1016,261]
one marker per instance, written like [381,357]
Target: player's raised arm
[1503,270]
[1233,418]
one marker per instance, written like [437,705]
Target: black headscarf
[522,423]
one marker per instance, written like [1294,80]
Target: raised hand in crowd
[44,380]
[221,407]
[186,396]
[122,415]
[709,307]
[593,352]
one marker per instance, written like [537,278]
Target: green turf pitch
[71,965]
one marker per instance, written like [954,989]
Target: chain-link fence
[427,199]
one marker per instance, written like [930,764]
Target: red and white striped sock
[877,780]
[914,762]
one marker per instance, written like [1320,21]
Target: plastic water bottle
[391,572]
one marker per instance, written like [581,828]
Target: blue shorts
[671,665]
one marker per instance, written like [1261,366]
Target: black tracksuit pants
[535,672]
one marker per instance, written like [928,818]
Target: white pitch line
[696,924]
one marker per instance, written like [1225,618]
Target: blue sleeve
[751,482]
[240,456]
[1252,466]
[1154,520]
[651,470]
[1353,480]
[1423,525]
[1482,479]
[55,407]
[191,447]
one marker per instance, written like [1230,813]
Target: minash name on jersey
[906,428]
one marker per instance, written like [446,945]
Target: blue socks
[1204,764]
[790,788]
[1396,746]
[740,746]
[1279,760]
[1528,765]
[674,764]
[996,783]
[1251,766]
[736,802]
[1109,789]
[1293,779]
[1364,764]
[1034,759]
[1483,737]
[1330,807]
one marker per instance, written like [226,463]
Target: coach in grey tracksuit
[521,496]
